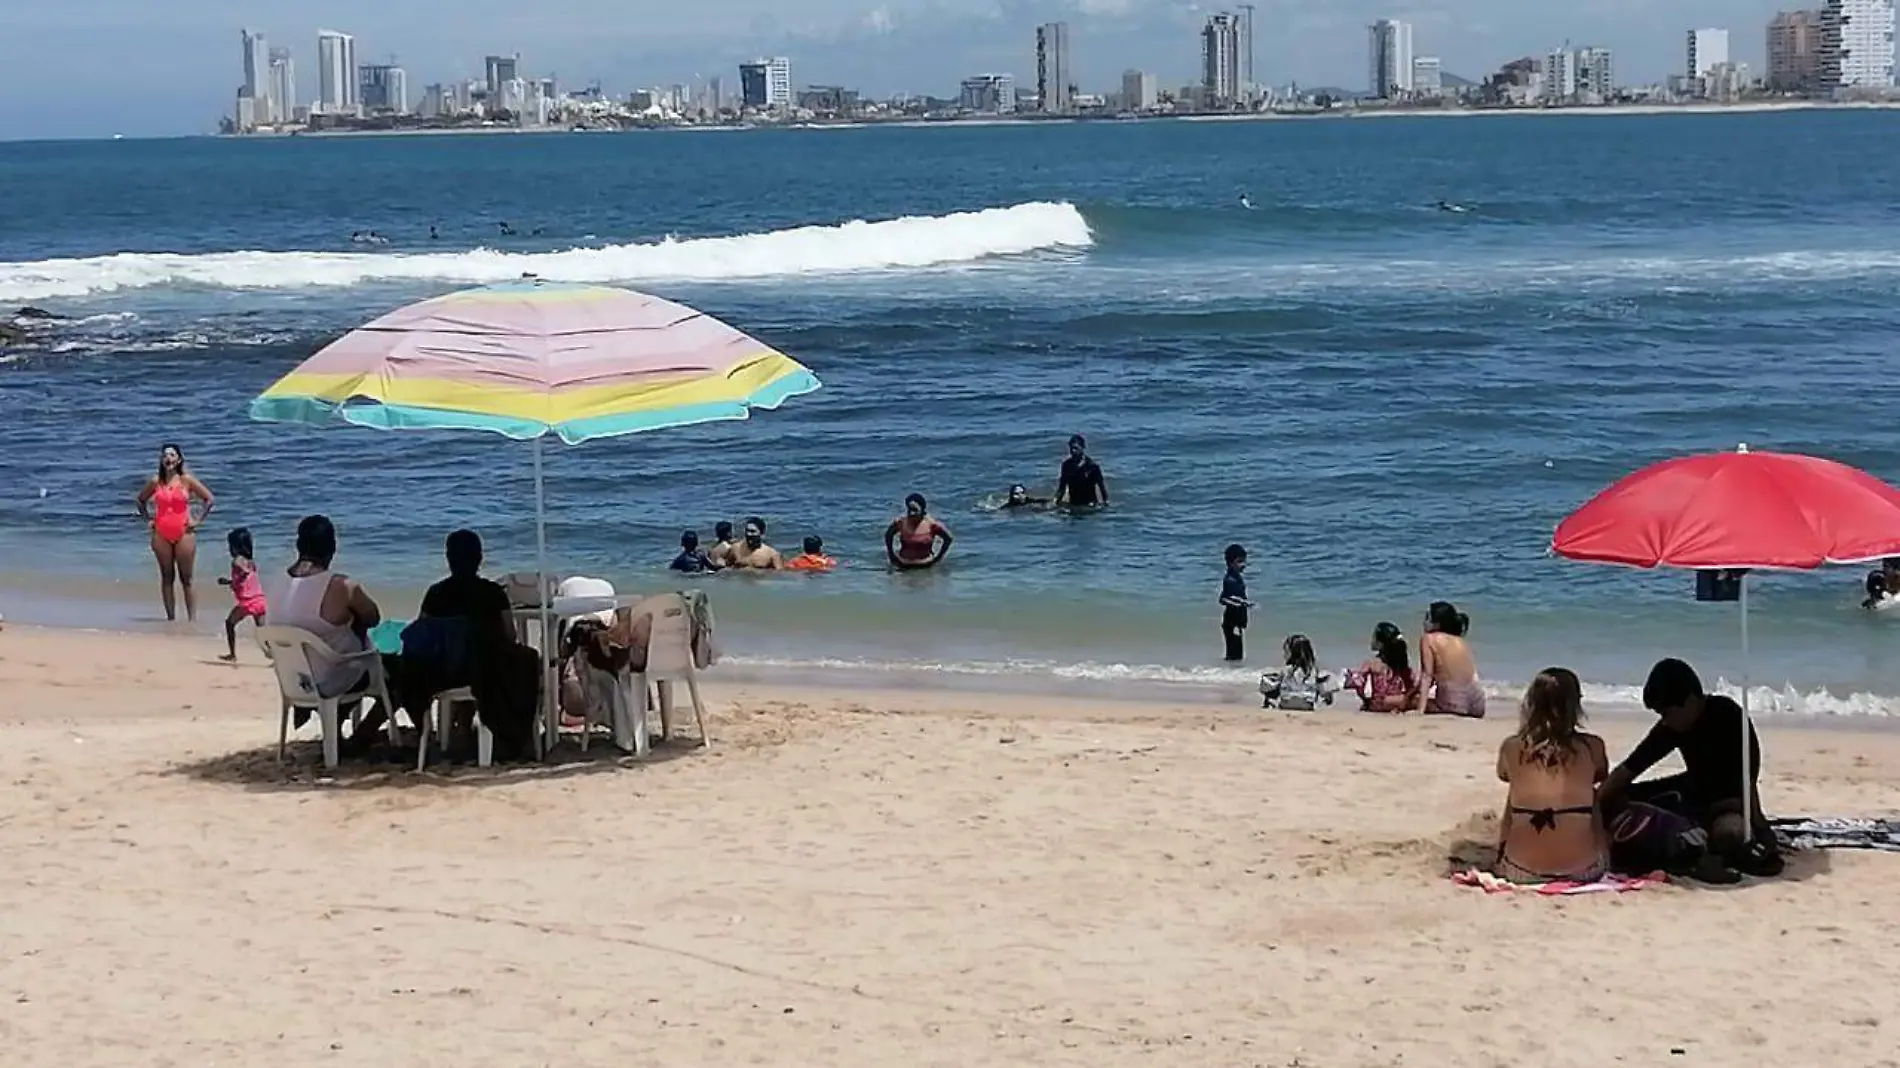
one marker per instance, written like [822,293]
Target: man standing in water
[1080,485]
[753,554]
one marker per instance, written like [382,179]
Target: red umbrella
[1737,511]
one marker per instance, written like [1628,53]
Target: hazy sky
[89,68]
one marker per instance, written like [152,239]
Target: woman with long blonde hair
[1552,828]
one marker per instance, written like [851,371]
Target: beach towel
[1609,884]
[1815,832]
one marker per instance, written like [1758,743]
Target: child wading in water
[1234,602]
[246,589]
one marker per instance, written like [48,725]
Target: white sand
[870,879]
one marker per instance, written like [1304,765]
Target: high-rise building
[1596,75]
[1794,51]
[778,82]
[499,70]
[383,89]
[436,102]
[715,94]
[283,86]
[1707,49]
[1389,52]
[1139,92]
[752,91]
[1247,84]
[1856,45]
[1220,60]
[336,73]
[1055,79]
[256,64]
[1428,77]
[1559,83]
[992,94]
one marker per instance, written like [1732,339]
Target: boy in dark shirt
[692,560]
[1234,602]
[1708,732]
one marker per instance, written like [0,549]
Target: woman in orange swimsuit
[165,503]
[915,541]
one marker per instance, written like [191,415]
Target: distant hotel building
[1055,81]
[498,71]
[766,83]
[1220,60]
[1389,51]
[1596,75]
[254,106]
[283,86]
[336,73]
[990,94]
[1794,51]
[383,90]
[1428,77]
[1139,92]
[1708,49]
[1856,45]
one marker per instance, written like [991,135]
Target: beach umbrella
[531,359]
[1737,512]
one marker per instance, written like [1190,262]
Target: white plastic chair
[299,658]
[669,657]
[626,716]
[441,713]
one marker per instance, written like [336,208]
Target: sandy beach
[861,878]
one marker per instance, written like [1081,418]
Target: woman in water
[165,503]
[915,541]
[1448,676]
[1385,683]
[1552,828]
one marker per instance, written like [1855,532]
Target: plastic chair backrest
[289,649]
[670,645]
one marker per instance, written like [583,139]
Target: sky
[93,68]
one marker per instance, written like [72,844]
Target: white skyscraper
[1389,51]
[1220,59]
[778,82]
[1596,75]
[256,64]
[1856,44]
[1055,81]
[1707,49]
[283,86]
[1560,77]
[1428,77]
[1247,82]
[336,73]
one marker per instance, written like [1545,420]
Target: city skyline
[883,50]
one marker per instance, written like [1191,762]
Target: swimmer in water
[1246,201]
[1019,498]
[1455,209]
[507,231]
[432,234]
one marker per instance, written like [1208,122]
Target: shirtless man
[753,554]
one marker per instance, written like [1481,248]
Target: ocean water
[1386,403]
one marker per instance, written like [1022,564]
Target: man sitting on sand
[1708,732]
[752,554]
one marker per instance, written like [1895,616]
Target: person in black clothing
[692,560]
[1080,485]
[504,675]
[1707,731]
[1234,602]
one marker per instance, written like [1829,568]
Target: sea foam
[893,244]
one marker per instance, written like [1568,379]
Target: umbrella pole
[544,733]
[1748,776]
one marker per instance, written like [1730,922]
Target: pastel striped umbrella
[529,359]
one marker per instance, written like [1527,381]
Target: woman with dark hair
[915,541]
[1448,675]
[1385,683]
[1552,828]
[165,504]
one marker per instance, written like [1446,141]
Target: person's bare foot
[229,658]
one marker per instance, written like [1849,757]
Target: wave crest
[893,244]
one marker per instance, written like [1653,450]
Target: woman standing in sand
[165,504]
[1552,828]
[1448,676]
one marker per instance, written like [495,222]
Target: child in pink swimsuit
[246,589]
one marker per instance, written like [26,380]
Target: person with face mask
[752,553]
[915,541]
[1080,485]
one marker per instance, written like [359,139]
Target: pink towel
[1612,883]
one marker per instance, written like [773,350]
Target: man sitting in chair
[465,636]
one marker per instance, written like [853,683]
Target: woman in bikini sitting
[1552,828]
[1448,676]
[165,505]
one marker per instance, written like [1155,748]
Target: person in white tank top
[338,611]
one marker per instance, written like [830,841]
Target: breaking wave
[893,244]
